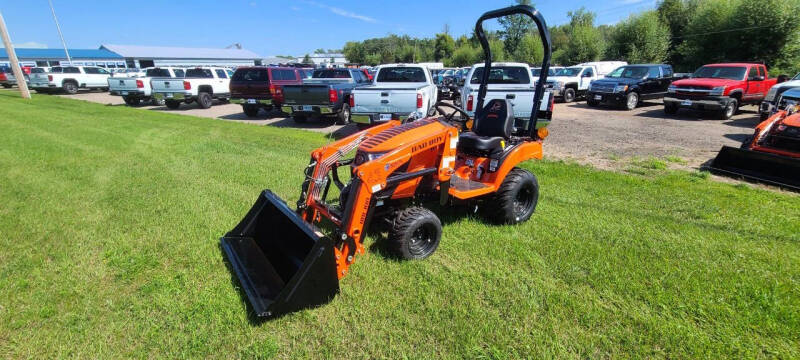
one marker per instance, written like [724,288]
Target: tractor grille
[788,139]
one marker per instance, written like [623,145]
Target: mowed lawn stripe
[110,219]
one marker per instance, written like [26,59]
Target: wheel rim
[729,110]
[568,96]
[422,241]
[523,202]
[632,101]
[346,113]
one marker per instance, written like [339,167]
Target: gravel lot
[604,137]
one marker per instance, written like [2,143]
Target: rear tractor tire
[515,200]
[415,233]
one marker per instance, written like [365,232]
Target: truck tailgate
[123,84]
[385,99]
[521,98]
[308,94]
[166,85]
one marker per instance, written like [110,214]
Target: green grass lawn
[110,219]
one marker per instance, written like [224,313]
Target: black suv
[627,86]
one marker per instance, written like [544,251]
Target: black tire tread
[496,207]
[403,223]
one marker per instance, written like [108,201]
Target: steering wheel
[449,117]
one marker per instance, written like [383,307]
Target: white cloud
[31,45]
[343,12]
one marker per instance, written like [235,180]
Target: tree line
[683,33]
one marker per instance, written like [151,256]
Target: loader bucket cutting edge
[282,263]
[758,166]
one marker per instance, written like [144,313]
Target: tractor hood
[793,120]
[399,136]
[704,82]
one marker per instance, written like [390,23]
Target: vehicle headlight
[363,157]
[717,91]
[621,88]
[672,89]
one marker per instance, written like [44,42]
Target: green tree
[742,30]
[585,43]
[319,51]
[530,50]
[354,52]
[307,59]
[515,27]
[642,38]
[464,55]
[444,46]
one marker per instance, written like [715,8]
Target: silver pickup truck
[135,89]
[397,91]
[512,81]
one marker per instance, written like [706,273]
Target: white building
[326,60]
[149,56]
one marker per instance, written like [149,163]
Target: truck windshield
[250,75]
[502,75]
[199,73]
[157,72]
[331,74]
[628,72]
[56,69]
[537,72]
[720,72]
[401,74]
[568,71]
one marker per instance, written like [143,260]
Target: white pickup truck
[573,82]
[203,85]
[396,91]
[70,79]
[512,81]
[135,89]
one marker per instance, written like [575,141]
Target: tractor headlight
[363,157]
[672,89]
[717,91]
[621,88]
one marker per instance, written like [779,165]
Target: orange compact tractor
[283,260]
[772,154]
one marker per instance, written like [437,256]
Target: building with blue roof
[135,56]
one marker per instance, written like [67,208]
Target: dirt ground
[604,137]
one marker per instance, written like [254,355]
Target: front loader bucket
[283,264]
[759,166]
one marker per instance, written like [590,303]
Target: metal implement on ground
[771,155]
[384,176]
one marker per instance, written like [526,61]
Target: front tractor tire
[415,233]
[515,200]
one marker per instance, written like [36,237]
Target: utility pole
[12,57]
[64,43]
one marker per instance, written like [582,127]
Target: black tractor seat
[491,128]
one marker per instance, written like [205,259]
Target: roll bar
[544,34]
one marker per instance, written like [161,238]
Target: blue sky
[265,27]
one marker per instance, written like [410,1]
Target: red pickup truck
[720,88]
[257,87]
